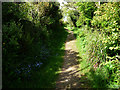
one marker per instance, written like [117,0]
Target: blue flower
[40,63]
[18,72]
[29,65]
[37,64]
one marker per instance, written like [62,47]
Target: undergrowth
[32,45]
[101,72]
[45,76]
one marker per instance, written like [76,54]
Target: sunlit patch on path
[70,76]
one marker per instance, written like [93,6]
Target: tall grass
[101,72]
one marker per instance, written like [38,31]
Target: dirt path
[70,76]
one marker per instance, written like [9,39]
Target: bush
[101,45]
[26,38]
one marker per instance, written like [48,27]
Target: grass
[47,75]
[96,78]
[81,48]
[99,77]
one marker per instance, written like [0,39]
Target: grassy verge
[103,75]
[95,79]
[92,52]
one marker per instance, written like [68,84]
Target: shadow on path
[69,76]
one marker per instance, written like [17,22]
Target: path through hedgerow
[69,76]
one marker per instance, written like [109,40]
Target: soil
[70,76]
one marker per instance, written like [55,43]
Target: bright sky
[60,1]
[62,4]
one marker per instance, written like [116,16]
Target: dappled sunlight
[70,74]
[70,37]
[70,69]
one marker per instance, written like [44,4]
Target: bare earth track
[69,76]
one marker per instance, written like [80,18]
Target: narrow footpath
[69,76]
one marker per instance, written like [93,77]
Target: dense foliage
[86,11]
[33,37]
[29,33]
[99,42]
